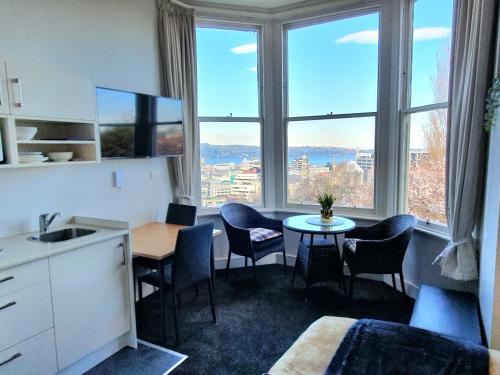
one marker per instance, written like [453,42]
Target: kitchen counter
[19,250]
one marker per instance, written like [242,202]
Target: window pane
[230,163]
[333,67]
[426,167]
[227,72]
[332,156]
[431,51]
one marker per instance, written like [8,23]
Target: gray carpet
[255,327]
[143,361]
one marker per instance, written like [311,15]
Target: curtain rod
[180,3]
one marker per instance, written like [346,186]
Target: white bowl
[60,156]
[25,133]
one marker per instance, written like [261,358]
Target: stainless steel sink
[61,235]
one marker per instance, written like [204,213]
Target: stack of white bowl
[32,157]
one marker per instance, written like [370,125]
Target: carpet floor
[256,326]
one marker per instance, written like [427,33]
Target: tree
[426,177]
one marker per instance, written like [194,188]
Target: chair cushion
[350,244]
[153,278]
[263,234]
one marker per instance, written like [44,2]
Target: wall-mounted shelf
[60,106]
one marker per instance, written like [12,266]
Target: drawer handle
[124,260]
[10,304]
[6,279]
[14,356]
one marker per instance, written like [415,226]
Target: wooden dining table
[153,247]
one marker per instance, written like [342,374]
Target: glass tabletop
[303,224]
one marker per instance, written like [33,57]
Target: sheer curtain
[471,66]
[176,37]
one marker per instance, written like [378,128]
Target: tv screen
[137,125]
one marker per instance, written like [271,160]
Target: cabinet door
[90,297]
[38,92]
[4,97]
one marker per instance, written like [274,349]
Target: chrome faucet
[45,220]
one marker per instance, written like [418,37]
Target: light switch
[119,179]
[154,174]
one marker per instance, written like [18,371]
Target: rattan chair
[238,220]
[379,249]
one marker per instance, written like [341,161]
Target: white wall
[113,41]
[489,285]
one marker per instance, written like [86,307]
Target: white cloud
[361,37]
[371,36]
[427,33]
[253,69]
[244,48]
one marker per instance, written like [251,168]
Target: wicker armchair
[239,222]
[379,249]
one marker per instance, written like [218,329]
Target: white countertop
[18,249]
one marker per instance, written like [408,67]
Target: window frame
[239,26]
[405,112]
[286,119]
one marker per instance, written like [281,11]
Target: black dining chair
[379,249]
[190,267]
[181,214]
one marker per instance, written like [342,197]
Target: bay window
[332,96]
[229,114]
[425,105]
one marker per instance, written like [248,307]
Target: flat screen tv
[136,125]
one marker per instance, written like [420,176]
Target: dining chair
[251,234]
[379,249]
[190,267]
[181,214]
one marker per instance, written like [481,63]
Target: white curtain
[471,66]
[176,36]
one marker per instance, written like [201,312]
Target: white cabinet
[39,92]
[4,96]
[91,298]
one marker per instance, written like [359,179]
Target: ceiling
[268,4]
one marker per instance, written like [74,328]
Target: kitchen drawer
[36,356]
[20,277]
[24,314]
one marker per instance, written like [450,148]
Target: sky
[332,67]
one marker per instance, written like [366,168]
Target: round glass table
[318,259]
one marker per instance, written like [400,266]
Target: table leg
[311,242]
[163,320]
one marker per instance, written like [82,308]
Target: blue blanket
[375,347]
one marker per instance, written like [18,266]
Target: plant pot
[326,216]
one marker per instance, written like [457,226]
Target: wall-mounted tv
[139,126]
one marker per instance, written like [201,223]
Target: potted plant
[326,201]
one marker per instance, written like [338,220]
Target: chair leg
[254,272]
[344,285]
[284,260]
[212,298]
[394,281]
[140,312]
[246,262]
[179,300]
[228,264]
[293,275]
[402,282]
[351,289]
[175,318]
